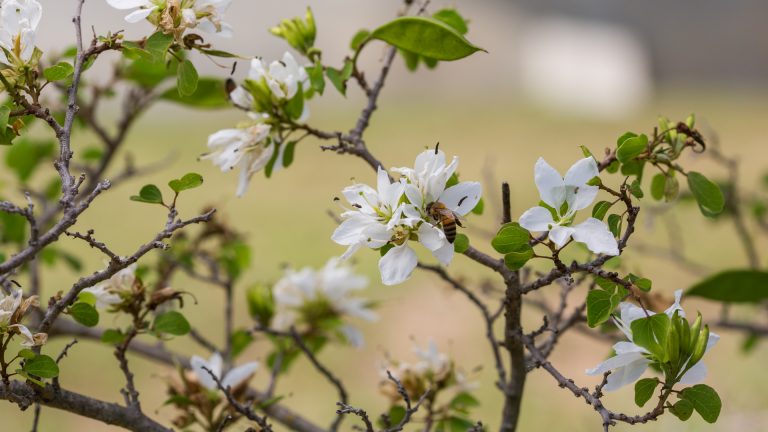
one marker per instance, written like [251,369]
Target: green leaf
[26,155]
[707,194]
[334,75]
[210,94]
[289,153]
[517,258]
[171,322]
[42,366]
[600,305]
[635,188]
[600,209]
[396,414]
[240,341]
[27,354]
[189,181]
[187,78]
[158,44]
[632,147]
[479,207]
[359,38]
[705,401]
[651,334]
[644,284]
[112,336]
[614,224]
[59,71]
[461,243]
[295,107]
[85,314]
[463,401]
[452,17]
[511,237]
[5,113]
[682,409]
[644,389]
[149,194]
[427,37]
[658,186]
[624,137]
[316,77]
[735,286]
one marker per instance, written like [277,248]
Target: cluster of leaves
[151,194]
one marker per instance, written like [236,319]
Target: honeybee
[447,218]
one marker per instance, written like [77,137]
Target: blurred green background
[495,111]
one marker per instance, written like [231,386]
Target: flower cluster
[310,299]
[434,370]
[678,359]
[178,16]
[197,396]
[12,310]
[421,206]
[18,28]
[114,290]
[272,97]
[561,199]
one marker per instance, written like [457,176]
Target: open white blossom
[8,306]
[631,361]
[18,26]
[107,293]
[377,218]
[207,16]
[283,77]
[231,379]
[29,339]
[245,147]
[566,196]
[319,293]
[143,8]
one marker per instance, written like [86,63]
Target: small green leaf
[452,17]
[644,284]
[189,181]
[651,334]
[707,194]
[27,354]
[158,44]
[171,322]
[187,78]
[359,38]
[735,286]
[635,189]
[682,409]
[614,224]
[59,71]
[335,76]
[658,186]
[289,153]
[5,113]
[705,401]
[210,94]
[240,341]
[511,237]
[87,297]
[42,366]
[631,147]
[463,401]
[149,194]
[85,314]
[644,389]
[426,37]
[624,137]
[517,258]
[600,305]
[112,336]
[600,209]
[461,243]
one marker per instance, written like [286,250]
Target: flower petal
[595,234]
[431,236]
[615,362]
[550,184]
[139,14]
[581,172]
[462,198]
[560,234]
[350,230]
[676,305]
[627,374]
[537,219]
[239,374]
[128,4]
[213,364]
[695,375]
[445,253]
[397,265]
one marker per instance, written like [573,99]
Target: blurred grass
[497,139]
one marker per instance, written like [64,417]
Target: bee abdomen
[449,228]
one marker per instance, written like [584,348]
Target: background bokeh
[558,74]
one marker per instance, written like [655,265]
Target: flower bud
[690,121]
[700,347]
[300,34]
[695,330]
[673,340]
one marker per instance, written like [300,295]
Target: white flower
[207,16]
[377,218]
[329,288]
[282,78]
[144,8]
[231,379]
[8,306]
[426,185]
[107,293]
[631,360]
[567,196]
[247,147]
[18,24]
[29,339]
[431,359]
